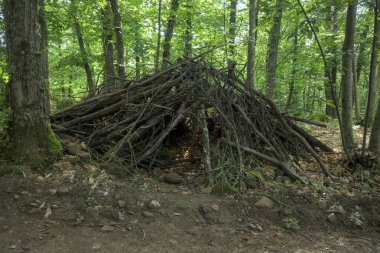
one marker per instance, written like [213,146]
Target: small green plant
[291,224]
[288,183]
[90,201]
[79,219]
[356,218]
[365,188]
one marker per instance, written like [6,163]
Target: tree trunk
[119,41]
[231,63]
[44,49]
[138,51]
[274,39]
[292,81]
[157,60]
[86,65]
[109,71]
[32,140]
[347,75]
[374,141]
[361,55]
[169,32]
[355,90]
[331,61]
[189,30]
[251,44]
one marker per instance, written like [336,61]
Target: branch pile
[133,123]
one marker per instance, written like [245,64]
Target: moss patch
[54,145]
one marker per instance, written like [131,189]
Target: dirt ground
[77,207]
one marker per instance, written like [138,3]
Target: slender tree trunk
[86,64]
[109,71]
[251,44]
[274,39]
[332,62]
[355,90]
[231,63]
[189,31]
[119,41]
[347,75]
[169,32]
[361,55]
[138,51]
[374,141]
[32,140]
[157,60]
[292,81]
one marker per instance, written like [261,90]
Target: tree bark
[231,63]
[373,76]
[355,90]
[86,65]
[32,140]
[331,61]
[109,71]
[119,41]
[361,55]
[292,81]
[347,75]
[157,60]
[374,140]
[169,32]
[251,44]
[138,51]
[44,49]
[274,39]
[189,31]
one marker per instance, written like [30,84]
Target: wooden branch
[308,121]
[205,142]
[282,165]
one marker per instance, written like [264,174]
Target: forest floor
[77,207]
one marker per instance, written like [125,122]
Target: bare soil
[77,207]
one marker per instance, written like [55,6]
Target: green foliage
[356,218]
[291,223]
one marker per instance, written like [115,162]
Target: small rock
[63,190]
[16,197]
[176,214]
[332,218]
[105,194]
[173,178]
[154,204]
[121,203]
[53,191]
[264,202]
[148,214]
[25,193]
[40,178]
[252,226]
[215,207]
[13,247]
[107,228]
